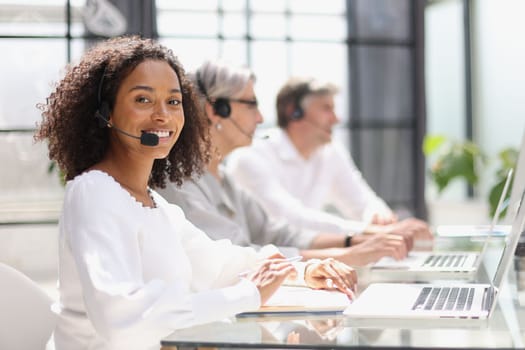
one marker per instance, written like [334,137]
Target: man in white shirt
[298,170]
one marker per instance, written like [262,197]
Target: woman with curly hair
[131,267]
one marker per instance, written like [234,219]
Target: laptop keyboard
[446,260]
[444,298]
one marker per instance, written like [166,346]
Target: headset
[102,115]
[298,112]
[102,112]
[221,106]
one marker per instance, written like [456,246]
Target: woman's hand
[332,275]
[270,275]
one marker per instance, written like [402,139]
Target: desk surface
[505,328]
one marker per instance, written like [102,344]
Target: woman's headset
[221,106]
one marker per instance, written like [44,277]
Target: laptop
[434,265]
[450,301]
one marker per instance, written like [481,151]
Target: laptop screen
[511,243]
[519,181]
[497,212]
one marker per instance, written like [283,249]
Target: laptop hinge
[488,298]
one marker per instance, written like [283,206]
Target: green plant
[451,159]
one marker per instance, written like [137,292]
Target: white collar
[287,150]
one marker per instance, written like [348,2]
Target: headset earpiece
[297,113]
[222,107]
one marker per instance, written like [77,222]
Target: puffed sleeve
[223,260]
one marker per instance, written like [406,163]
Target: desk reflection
[505,329]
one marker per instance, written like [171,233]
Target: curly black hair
[77,142]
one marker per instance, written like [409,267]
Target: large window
[37,39]
[276,39]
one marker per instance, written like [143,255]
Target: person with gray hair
[218,206]
[298,170]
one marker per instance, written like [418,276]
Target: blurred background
[406,68]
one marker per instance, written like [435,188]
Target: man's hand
[369,248]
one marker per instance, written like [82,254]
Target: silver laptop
[425,266]
[440,301]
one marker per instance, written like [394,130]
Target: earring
[218,126]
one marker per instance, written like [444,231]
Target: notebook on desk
[440,301]
[293,300]
[424,266]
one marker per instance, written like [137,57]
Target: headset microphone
[146,139]
[240,129]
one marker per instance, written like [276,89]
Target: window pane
[29,67]
[187,23]
[268,26]
[234,25]
[265,5]
[445,70]
[77,25]
[233,51]
[233,5]
[192,52]
[25,175]
[28,18]
[318,7]
[332,66]
[269,64]
[385,80]
[186,5]
[382,19]
[78,47]
[308,27]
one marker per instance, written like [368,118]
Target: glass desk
[505,328]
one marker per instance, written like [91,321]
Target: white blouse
[130,275]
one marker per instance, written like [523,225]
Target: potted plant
[452,159]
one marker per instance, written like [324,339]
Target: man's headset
[298,112]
